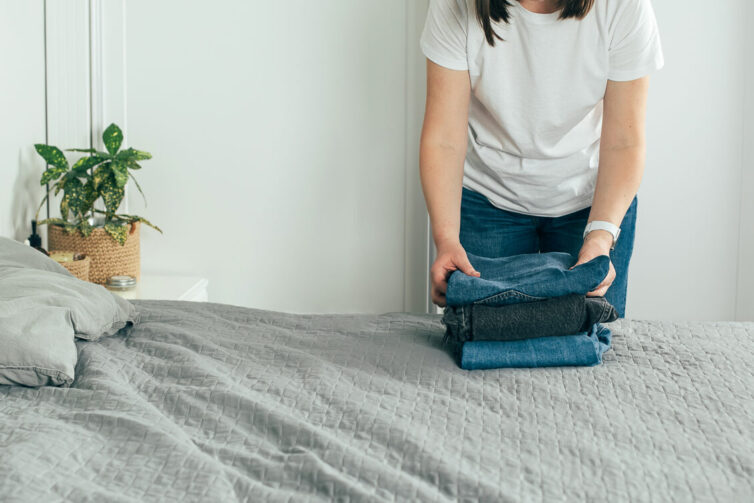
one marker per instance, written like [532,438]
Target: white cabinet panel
[22,113]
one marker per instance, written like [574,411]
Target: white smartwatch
[601,225]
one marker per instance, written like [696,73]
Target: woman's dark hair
[497,10]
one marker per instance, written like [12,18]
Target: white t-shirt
[535,115]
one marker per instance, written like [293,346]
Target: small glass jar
[122,285]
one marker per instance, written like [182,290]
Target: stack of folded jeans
[528,311]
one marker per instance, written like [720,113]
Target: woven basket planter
[79,267]
[107,258]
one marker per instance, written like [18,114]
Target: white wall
[22,108]
[746,250]
[278,131]
[686,255]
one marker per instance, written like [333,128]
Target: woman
[533,137]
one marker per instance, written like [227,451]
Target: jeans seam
[470,334]
[508,293]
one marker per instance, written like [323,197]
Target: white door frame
[85,70]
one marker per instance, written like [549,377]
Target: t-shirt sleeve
[443,39]
[635,48]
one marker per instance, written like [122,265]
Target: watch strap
[601,225]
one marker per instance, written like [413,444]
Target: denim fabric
[583,349]
[524,278]
[558,316]
[488,231]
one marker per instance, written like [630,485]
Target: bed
[211,402]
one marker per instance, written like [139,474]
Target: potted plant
[109,238]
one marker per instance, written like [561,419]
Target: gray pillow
[33,276]
[42,308]
[93,310]
[36,347]
[15,254]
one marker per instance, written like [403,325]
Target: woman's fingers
[462,262]
[449,260]
[601,289]
[440,278]
[438,275]
[439,284]
[599,292]
[438,297]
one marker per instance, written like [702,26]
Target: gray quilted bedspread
[209,402]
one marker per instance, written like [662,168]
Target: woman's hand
[450,256]
[597,243]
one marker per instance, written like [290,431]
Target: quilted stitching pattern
[211,402]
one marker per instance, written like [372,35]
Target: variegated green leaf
[118,232]
[52,221]
[64,207]
[111,194]
[83,165]
[131,154]
[69,228]
[101,173]
[150,224]
[90,195]
[120,172]
[52,156]
[112,137]
[133,165]
[136,218]
[77,198]
[85,228]
[52,173]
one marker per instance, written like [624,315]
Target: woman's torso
[535,113]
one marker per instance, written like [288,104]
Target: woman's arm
[441,158]
[443,148]
[622,152]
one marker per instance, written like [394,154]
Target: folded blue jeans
[583,349]
[489,231]
[524,278]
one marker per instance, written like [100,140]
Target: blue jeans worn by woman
[492,232]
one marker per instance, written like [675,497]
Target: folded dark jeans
[556,316]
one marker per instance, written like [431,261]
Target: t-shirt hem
[586,203]
[579,205]
[441,60]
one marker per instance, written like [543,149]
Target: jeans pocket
[508,297]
